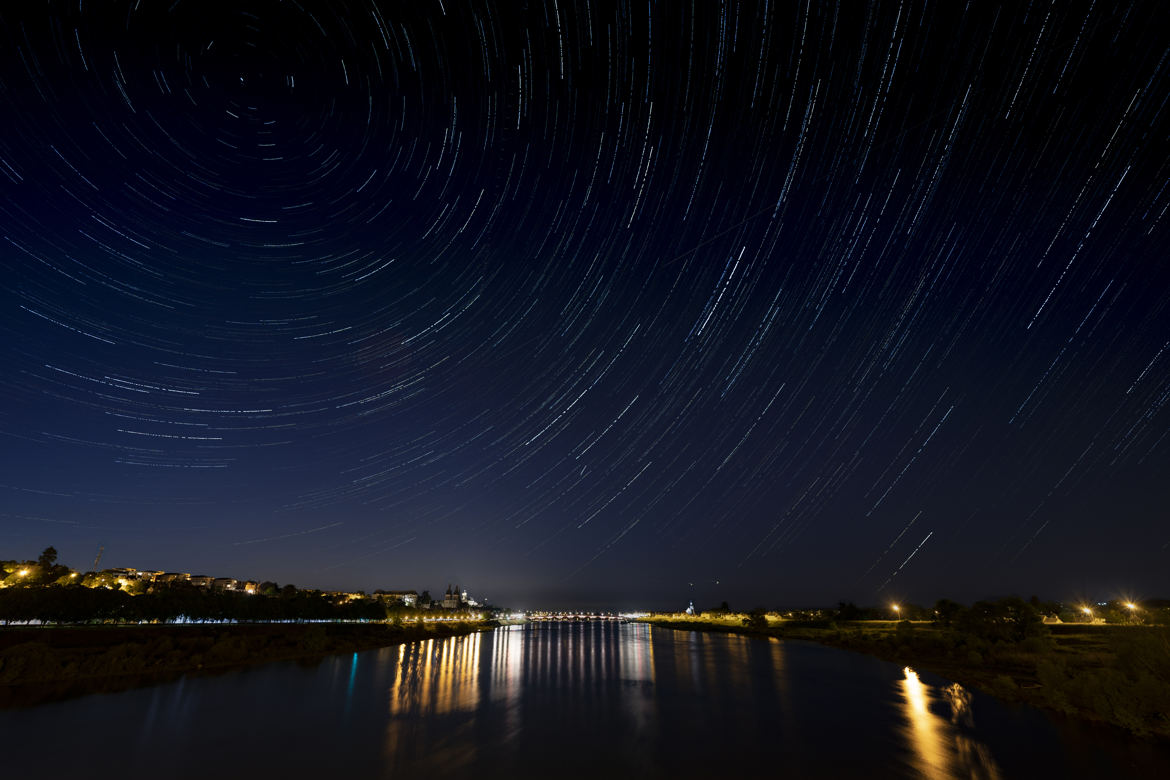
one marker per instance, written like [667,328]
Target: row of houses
[198,580]
[454,598]
[407,598]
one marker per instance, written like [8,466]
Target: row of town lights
[896,607]
[1128,605]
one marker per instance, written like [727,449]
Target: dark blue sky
[610,305]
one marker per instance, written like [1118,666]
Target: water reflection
[636,654]
[938,746]
[568,701]
[433,682]
[436,678]
[507,667]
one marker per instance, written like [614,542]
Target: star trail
[600,304]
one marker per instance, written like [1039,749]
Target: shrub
[904,631]
[1036,644]
[756,619]
[1007,620]
[1004,687]
[1054,683]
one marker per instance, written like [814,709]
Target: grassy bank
[44,664]
[1113,674]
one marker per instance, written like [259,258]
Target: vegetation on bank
[1118,674]
[39,664]
[69,633]
[174,602]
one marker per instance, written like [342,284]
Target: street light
[1130,606]
[897,610]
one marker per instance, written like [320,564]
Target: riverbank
[1118,675]
[39,664]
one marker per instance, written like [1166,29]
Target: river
[565,700]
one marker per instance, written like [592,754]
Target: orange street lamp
[1130,606]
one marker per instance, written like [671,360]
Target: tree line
[991,617]
[46,591]
[174,603]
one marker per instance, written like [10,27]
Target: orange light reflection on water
[433,678]
[939,749]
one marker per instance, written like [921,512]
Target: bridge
[577,617]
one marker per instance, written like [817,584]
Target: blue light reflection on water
[575,700]
[353,667]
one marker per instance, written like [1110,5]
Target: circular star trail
[595,303]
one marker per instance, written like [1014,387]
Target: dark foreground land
[1118,675]
[39,664]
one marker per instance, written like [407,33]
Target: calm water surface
[568,700]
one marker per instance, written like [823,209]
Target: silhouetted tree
[847,610]
[945,612]
[48,558]
[1011,619]
[756,619]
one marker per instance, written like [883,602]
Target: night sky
[591,304]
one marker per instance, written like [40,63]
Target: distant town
[46,571]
